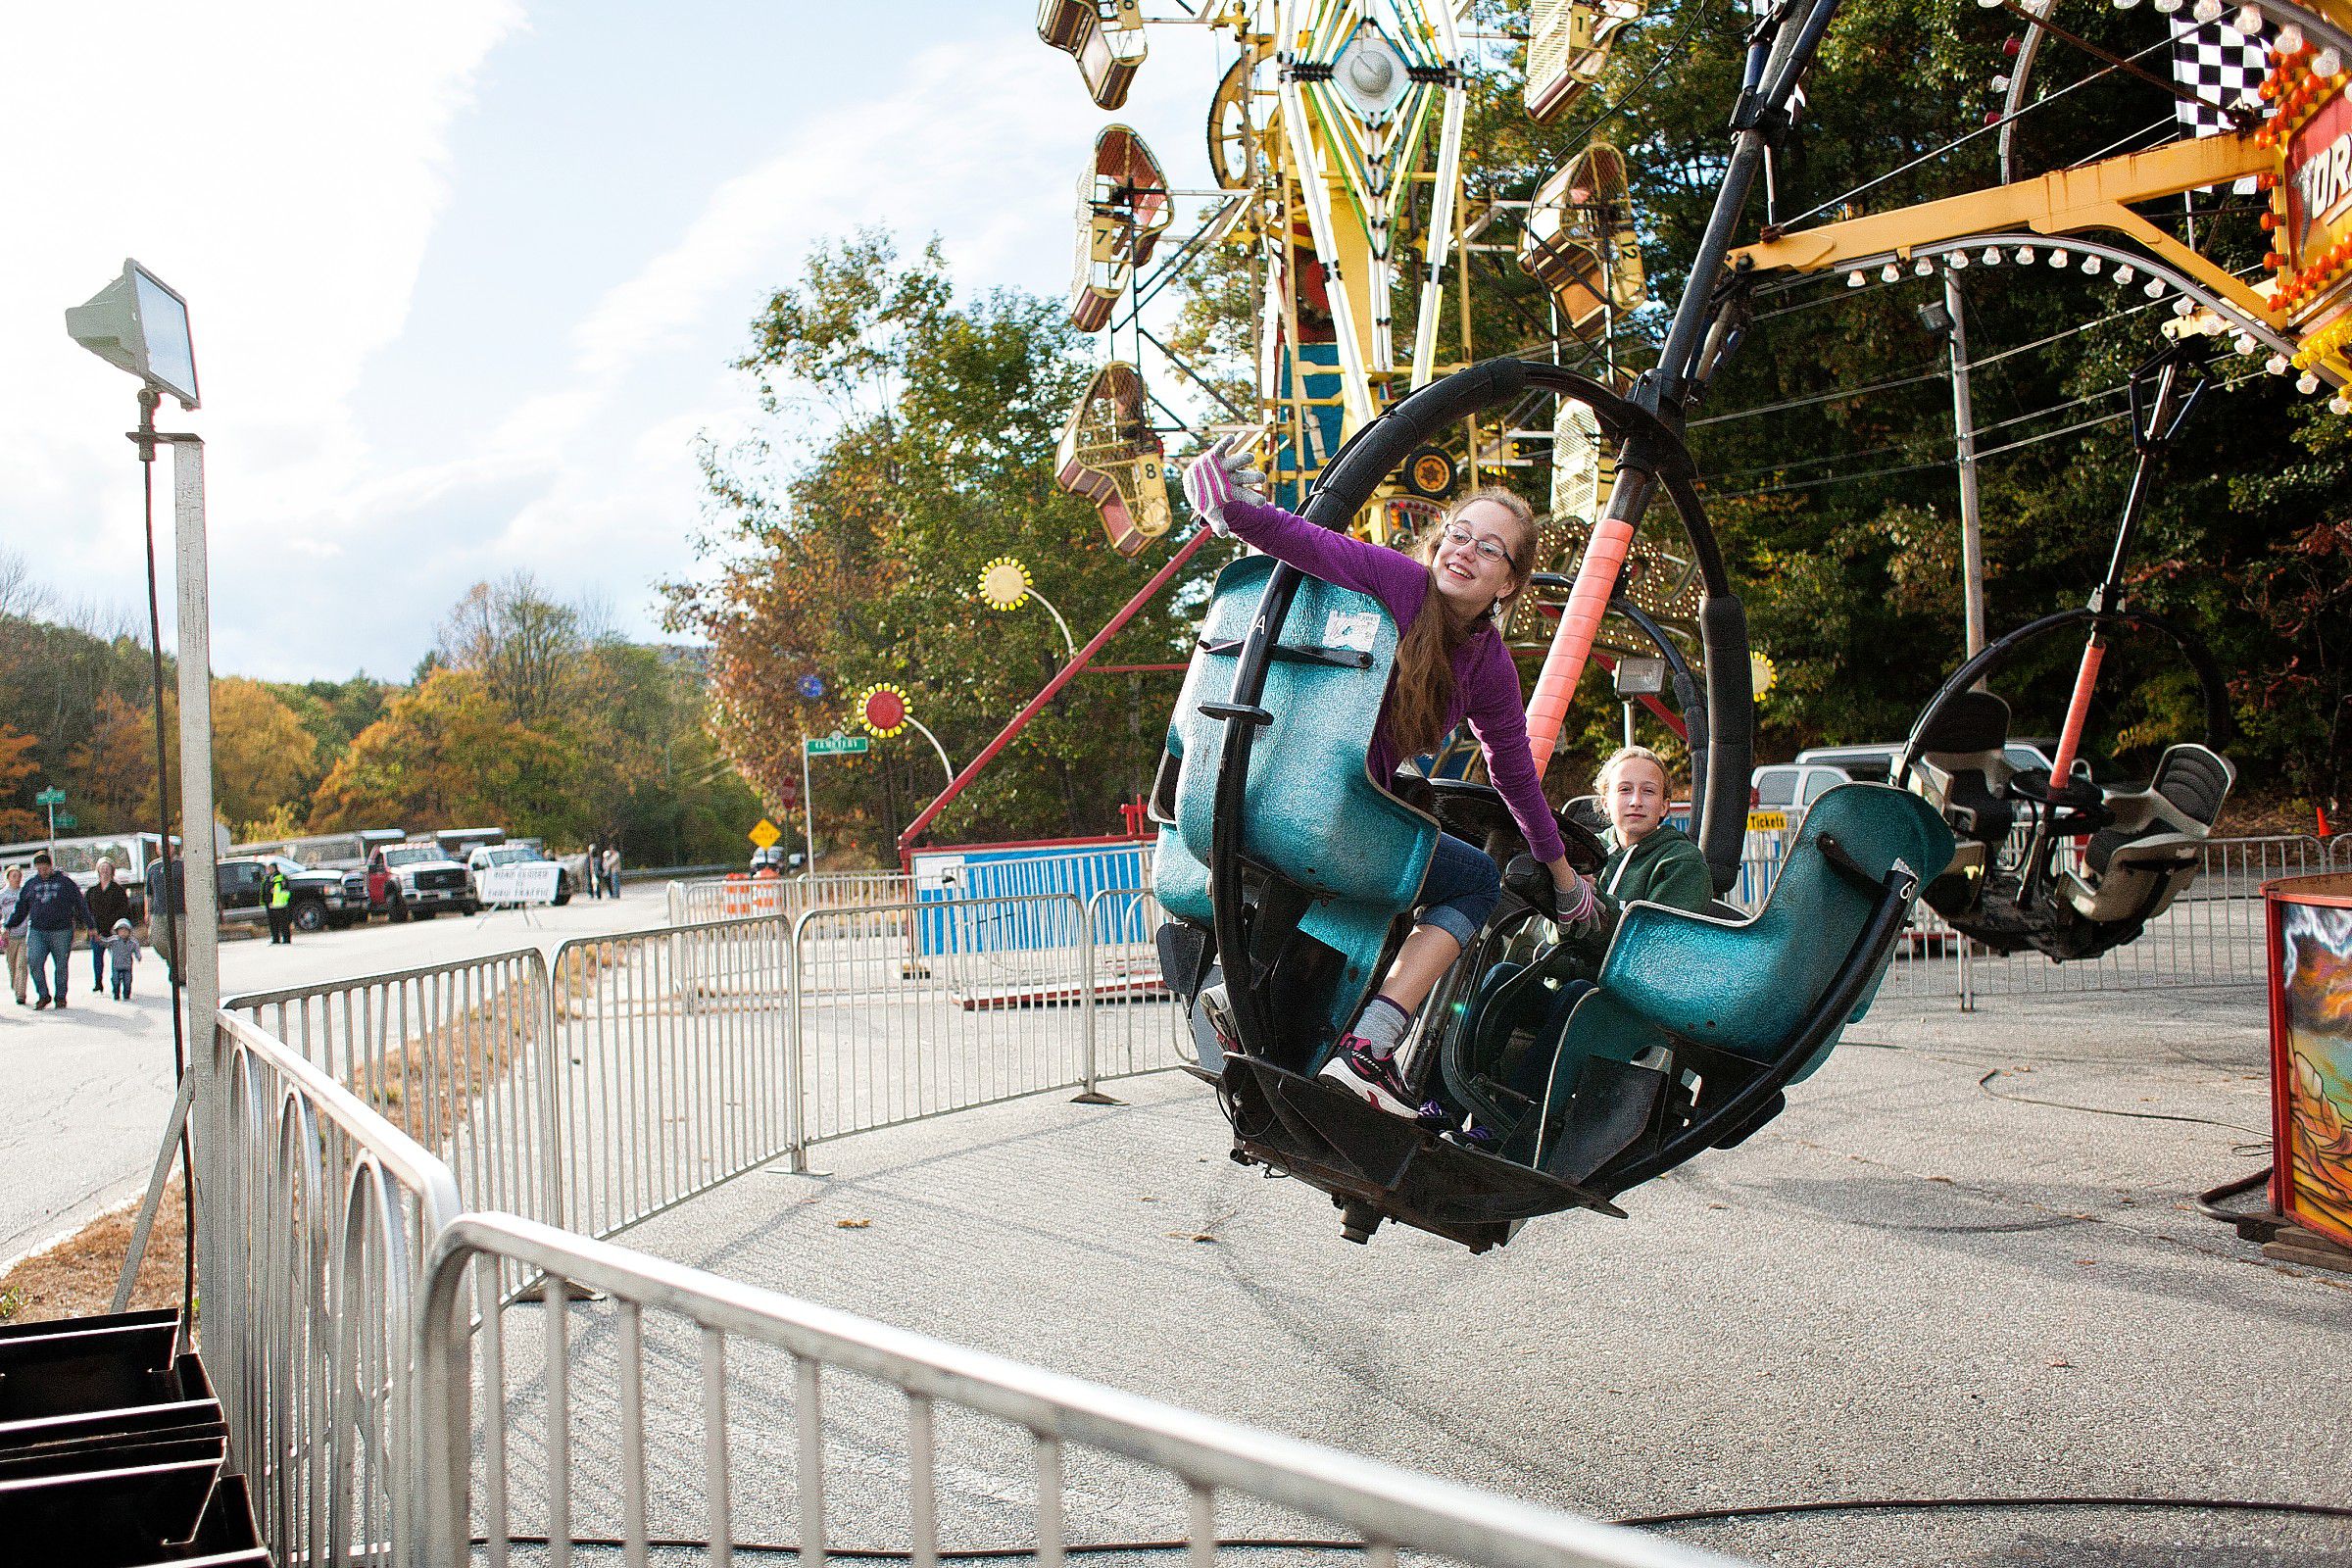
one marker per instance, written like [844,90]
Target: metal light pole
[808,807]
[1963,425]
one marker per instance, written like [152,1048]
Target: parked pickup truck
[418,881]
[322,900]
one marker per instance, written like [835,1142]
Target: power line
[1986,130]
[2010,446]
[1835,479]
[1933,375]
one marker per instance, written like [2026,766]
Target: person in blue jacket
[49,907]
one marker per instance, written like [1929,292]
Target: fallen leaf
[851,1224]
[1149,1198]
[2057,1360]
[1947,1180]
[1719,1205]
[2087,1262]
[1189,1236]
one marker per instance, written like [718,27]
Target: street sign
[67,820]
[766,834]
[53,796]
[836,744]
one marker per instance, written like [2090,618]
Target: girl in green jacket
[1649,862]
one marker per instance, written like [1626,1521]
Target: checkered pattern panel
[2224,67]
[2221,65]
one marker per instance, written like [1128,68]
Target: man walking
[10,941]
[281,896]
[49,907]
[594,864]
[109,902]
[612,869]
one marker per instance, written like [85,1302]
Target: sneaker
[1469,1136]
[1369,1077]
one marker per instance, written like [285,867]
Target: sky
[465,276]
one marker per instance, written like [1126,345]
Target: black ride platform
[1377,1166]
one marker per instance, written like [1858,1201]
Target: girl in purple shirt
[1448,601]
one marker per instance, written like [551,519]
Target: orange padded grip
[2078,711]
[1572,642]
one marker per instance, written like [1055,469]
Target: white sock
[1382,1026]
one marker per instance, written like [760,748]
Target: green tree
[861,564]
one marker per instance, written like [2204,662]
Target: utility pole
[1964,427]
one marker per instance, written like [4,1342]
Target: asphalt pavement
[1965,1264]
[88,1089]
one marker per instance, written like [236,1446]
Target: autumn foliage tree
[16,767]
[262,754]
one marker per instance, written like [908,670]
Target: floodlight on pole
[140,324]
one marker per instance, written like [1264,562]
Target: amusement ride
[1337,142]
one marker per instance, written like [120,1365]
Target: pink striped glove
[1216,478]
[1582,909]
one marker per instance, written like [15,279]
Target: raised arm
[1492,700]
[1398,582]
[1228,505]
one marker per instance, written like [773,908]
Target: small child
[123,950]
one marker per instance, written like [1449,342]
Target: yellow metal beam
[2065,201]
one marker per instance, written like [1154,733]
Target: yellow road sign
[766,834]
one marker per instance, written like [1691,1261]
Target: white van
[1780,793]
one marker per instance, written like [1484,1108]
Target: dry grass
[76,1277]
[429,1085]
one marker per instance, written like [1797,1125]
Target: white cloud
[292,179]
[278,162]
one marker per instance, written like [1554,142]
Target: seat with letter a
[1333,858]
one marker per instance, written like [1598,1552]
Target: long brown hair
[1421,689]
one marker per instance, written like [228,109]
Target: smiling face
[1635,796]
[1470,579]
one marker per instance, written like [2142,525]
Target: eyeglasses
[1457,535]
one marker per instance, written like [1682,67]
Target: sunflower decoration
[1004,583]
[1761,673]
[883,710]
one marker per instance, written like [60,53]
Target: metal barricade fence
[2211,936]
[668,1049]
[729,896]
[309,1331]
[1133,1024]
[796,1404]
[1083,870]
[451,1055]
[881,1036]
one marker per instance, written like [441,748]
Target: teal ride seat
[1746,987]
[1314,815]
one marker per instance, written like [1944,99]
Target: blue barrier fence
[1012,871]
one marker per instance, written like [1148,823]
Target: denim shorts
[1461,889]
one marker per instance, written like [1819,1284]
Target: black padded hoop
[2004,650]
[1653,453]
